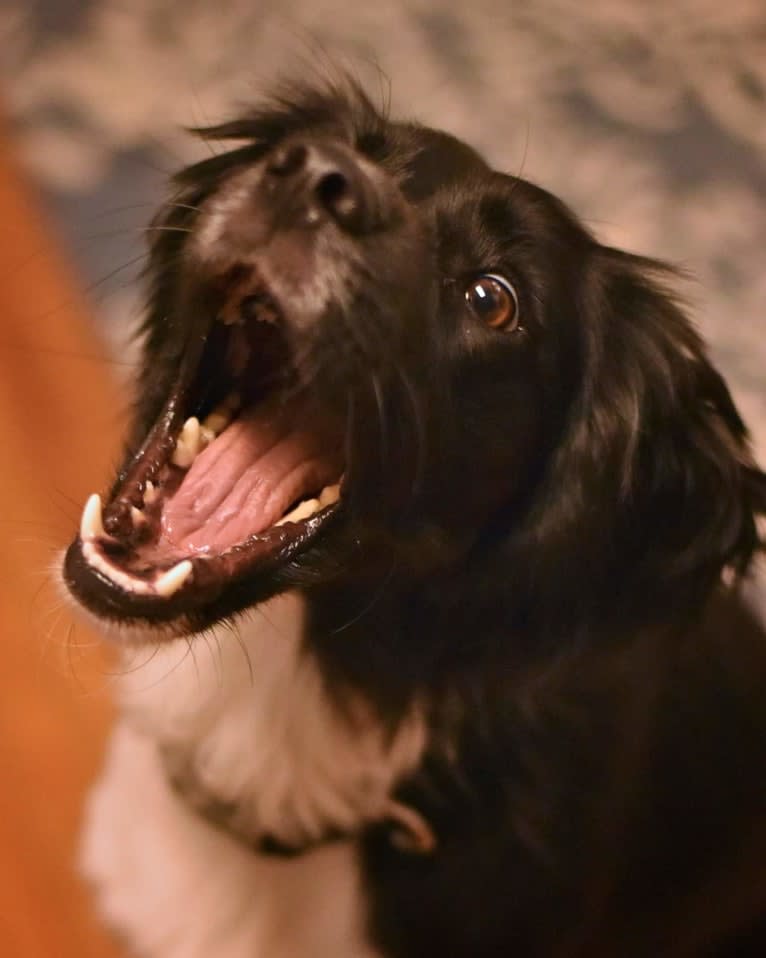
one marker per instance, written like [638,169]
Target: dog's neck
[251,737]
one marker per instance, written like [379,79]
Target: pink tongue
[245,480]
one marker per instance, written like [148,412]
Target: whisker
[115,272]
[133,668]
[420,430]
[184,206]
[378,594]
[165,229]
[174,668]
[234,629]
[70,661]
[207,635]
[63,353]
[382,419]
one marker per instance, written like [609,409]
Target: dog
[428,541]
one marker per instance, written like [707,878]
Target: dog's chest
[251,737]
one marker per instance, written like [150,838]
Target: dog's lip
[202,580]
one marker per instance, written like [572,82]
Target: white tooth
[302,511]
[137,516]
[329,495]
[188,445]
[206,435]
[91,524]
[191,434]
[215,422]
[220,417]
[182,455]
[150,493]
[172,580]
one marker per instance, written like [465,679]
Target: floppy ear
[654,480]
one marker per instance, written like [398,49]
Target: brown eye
[493,300]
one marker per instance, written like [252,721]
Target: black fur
[533,540]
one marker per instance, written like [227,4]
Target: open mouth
[238,474]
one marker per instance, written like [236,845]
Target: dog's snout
[329,181]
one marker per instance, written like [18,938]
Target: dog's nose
[326,180]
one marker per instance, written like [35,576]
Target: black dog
[494,462]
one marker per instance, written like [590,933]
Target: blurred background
[648,118]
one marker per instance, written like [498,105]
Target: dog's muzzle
[248,459]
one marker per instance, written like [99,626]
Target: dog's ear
[654,473]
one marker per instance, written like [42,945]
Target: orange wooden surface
[58,422]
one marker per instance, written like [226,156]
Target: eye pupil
[493,301]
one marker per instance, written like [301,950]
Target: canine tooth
[151,494]
[91,524]
[182,455]
[302,511]
[188,444]
[171,581]
[329,495]
[137,516]
[191,434]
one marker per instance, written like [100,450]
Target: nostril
[336,194]
[287,160]
[333,192]
[311,182]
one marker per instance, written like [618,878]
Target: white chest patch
[173,887]
[257,732]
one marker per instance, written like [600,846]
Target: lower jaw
[116,581]
[213,589]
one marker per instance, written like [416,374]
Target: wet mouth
[240,472]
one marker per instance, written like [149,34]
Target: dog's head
[367,350]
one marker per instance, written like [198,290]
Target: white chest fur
[250,716]
[174,887]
